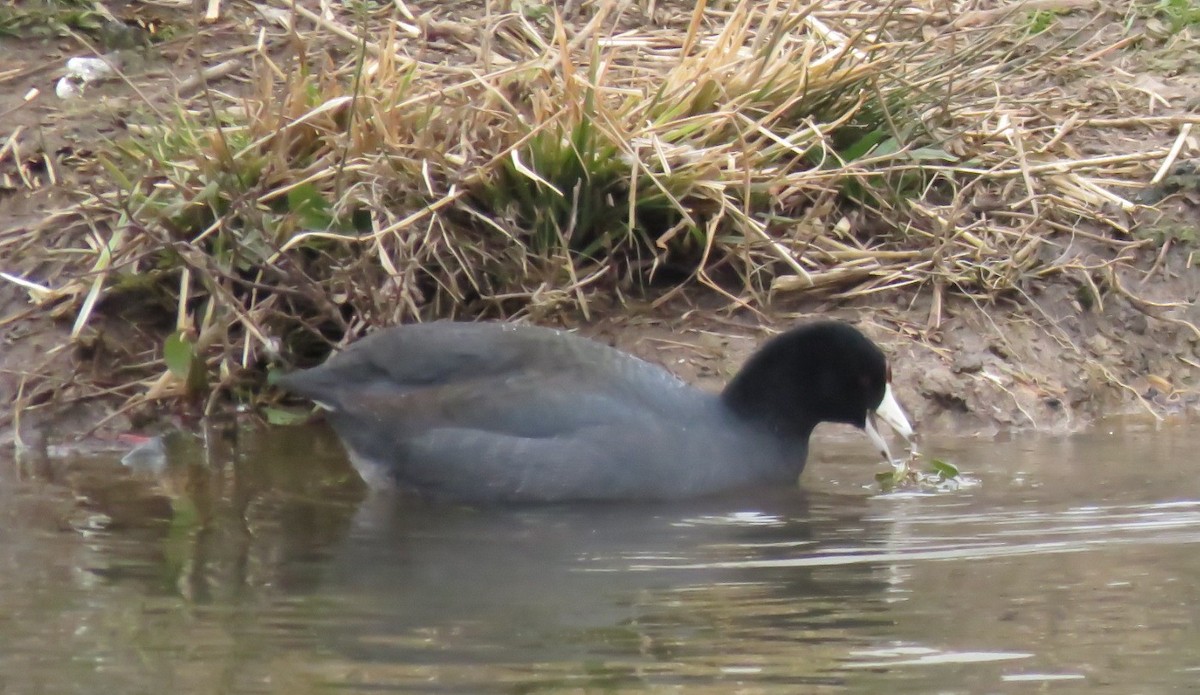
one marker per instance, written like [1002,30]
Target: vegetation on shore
[377,165]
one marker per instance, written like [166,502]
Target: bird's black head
[819,372]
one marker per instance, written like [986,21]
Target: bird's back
[444,354]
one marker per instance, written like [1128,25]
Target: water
[249,565]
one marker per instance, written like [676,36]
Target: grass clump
[21,19]
[49,17]
[1175,15]
[1040,20]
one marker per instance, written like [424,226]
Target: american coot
[491,412]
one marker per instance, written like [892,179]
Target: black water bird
[500,412]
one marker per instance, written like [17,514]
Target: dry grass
[515,162]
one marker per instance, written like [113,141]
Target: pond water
[249,565]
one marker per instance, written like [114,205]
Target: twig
[207,75]
[1169,162]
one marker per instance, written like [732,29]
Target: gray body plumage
[488,411]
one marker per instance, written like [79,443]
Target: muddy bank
[1048,362]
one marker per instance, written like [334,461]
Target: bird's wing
[543,438]
[442,354]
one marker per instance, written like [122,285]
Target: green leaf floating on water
[944,468]
[283,416]
[907,477]
[890,479]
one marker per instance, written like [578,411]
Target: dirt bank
[1043,364]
